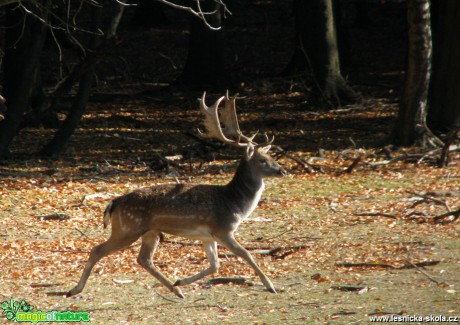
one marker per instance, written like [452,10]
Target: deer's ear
[249,151]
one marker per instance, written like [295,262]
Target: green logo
[23,312]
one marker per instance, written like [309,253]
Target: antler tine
[212,123]
[230,121]
[267,141]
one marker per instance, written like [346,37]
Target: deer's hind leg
[113,244]
[150,242]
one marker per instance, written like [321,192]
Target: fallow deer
[209,213]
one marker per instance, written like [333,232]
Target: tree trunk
[317,50]
[84,72]
[73,118]
[411,122]
[62,136]
[204,67]
[25,38]
[444,94]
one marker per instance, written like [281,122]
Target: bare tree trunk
[444,94]
[25,39]
[62,136]
[317,50]
[84,73]
[411,123]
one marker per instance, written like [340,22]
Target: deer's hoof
[178,293]
[272,290]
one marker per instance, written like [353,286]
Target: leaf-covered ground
[339,246]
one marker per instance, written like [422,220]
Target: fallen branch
[427,154]
[240,281]
[419,264]
[306,165]
[81,232]
[346,264]
[440,218]
[395,159]
[425,198]
[384,313]
[273,237]
[417,267]
[44,285]
[54,216]
[388,266]
[353,165]
[302,163]
[57,293]
[443,193]
[342,313]
[349,288]
[376,214]
[277,252]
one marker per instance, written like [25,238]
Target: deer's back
[178,209]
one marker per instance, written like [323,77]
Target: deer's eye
[263,161]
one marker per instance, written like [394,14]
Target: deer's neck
[245,190]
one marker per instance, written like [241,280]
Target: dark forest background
[59,58]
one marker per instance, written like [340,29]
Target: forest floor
[352,232]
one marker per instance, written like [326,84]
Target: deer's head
[223,126]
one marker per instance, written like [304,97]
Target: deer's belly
[201,232]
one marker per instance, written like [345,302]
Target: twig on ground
[383,313]
[302,163]
[277,252]
[387,266]
[56,293]
[425,198]
[395,159]
[348,288]
[54,216]
[165,298]
[376,214]
[217,281]
[353,165]
[81,232]
[427,154]
[306,165]
[342,313]
[276,236]
[306,237]
[440,218]
[443,193]
[417,267]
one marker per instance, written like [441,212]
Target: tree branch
[197,13]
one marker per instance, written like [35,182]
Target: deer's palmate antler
[209,213]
